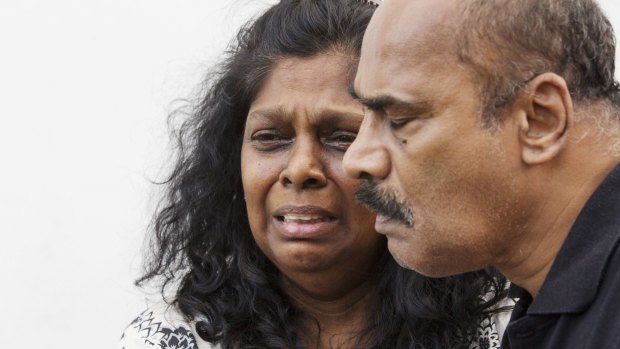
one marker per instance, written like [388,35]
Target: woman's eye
[341,139]
[268,140]
[266,137]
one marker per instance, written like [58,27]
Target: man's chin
[399,259]
[406,260]
[408,256]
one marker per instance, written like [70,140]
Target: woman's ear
[546,118]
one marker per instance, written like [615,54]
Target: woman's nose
[304,168]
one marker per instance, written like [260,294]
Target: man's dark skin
[504,195]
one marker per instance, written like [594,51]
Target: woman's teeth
[297,218]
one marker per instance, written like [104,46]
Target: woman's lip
[305,210]
[302,222]
[305,230]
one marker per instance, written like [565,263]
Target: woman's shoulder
[162,326]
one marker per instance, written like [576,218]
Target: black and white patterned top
[164,327]
[488,333]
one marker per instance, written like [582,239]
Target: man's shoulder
[606,303]
[602,319]
[161,326]
[597,326]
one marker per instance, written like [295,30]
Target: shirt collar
[572,282]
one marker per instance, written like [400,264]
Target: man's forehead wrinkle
[415,29]
[403,46]
[398,75]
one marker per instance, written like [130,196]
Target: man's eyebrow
[383,102]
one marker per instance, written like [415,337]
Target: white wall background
[85,88]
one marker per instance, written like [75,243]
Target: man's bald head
[507,43]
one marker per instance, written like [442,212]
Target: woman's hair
[202,241]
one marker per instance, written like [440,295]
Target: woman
[260,230]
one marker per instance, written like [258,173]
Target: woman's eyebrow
[324,116]
[270,114]
[340,118]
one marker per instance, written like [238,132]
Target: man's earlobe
[547,118]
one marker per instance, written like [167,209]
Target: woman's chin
[304,257]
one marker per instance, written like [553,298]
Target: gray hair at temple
[506,43]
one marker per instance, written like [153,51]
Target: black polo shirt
[578,305]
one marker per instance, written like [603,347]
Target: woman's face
[301,205]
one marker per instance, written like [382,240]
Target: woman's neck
[333,321]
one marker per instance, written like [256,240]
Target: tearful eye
[266,140]
[341,139]
[265,137]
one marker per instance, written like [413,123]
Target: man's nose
[367,157]
[304,168]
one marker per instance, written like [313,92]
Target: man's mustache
[383,202]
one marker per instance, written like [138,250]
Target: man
[492,138]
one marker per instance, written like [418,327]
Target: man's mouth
[383,219]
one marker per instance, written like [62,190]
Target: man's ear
[546,118]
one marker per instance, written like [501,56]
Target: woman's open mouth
[302,219]
[304,222]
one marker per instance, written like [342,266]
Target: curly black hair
[202,245]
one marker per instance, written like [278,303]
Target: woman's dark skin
[301,206]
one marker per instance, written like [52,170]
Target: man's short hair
[507,43]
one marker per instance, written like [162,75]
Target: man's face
[443,185]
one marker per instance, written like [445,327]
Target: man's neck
[545,232]
[531,262]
